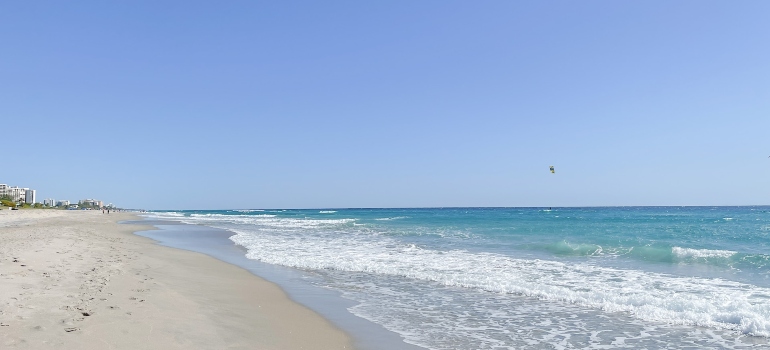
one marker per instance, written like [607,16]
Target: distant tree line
[7,201]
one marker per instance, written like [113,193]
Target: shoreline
[80,280]
[216,243]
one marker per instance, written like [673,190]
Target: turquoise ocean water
[510,278]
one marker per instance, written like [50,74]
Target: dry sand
[79,280]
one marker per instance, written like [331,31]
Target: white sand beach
[79,280]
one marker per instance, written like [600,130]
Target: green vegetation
[7,201]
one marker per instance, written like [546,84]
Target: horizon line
[475,207]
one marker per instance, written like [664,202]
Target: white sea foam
[232,216]
[684,253]
[173,214]
[262,221]
[714,303]
[393,218]
[327,211]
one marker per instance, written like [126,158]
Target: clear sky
[297,104]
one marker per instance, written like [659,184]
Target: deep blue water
[483,278]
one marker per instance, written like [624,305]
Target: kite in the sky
[552,171]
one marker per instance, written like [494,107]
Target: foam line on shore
[215,242]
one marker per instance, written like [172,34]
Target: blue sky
[296,104]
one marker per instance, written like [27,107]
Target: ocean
[512,278]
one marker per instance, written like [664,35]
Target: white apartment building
[5,190]
[49,202]
[30,196]
[18,194]
[65,203]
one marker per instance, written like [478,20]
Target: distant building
[49,202]
[63,203]
[30,196]
[17,194]
[4,191]
[91,202]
